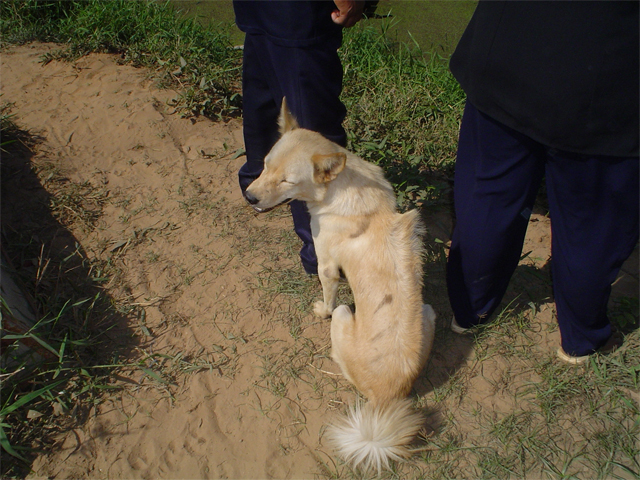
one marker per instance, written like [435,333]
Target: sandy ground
[193,259]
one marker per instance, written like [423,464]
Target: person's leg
[262,98]
[498,173]
[260,110]
[593,204]
[302,227]
[311,79]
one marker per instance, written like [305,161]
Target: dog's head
[299,166]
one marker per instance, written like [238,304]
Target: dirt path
[249,385]
[187,252]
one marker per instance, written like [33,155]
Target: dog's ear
[326,167]
[286,121]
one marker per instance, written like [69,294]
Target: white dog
[384,345]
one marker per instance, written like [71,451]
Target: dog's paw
[321,310]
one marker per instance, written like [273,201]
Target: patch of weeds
[511,334]
[52,372]
[404,108]
[12,135]
[199,59]
[301,288]
[624,313]
[152,257]
[28,20]
[542,419]
[58,328]
[72,203]
[197,200]
[118,200]
[494,465]
[445,457]
[171,369]
[289,364]
[456,388]
[595,402]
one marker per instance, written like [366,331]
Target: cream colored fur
[384,345]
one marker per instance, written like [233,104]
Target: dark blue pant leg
[498,173]
[311,79]
[593,203]
[260,110]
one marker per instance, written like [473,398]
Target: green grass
[200,60]
[54,365]
[404,109]
[434,25]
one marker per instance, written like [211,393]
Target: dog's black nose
[250,198]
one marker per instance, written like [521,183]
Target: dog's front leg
[329,278]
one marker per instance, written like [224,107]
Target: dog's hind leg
[329,278]
[341,332]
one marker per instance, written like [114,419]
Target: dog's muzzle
[253,201]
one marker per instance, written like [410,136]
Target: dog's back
[384,349]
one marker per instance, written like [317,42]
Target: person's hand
[348,12]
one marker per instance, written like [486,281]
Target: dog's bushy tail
[369,437]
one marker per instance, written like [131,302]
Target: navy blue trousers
[593,205]
[311,79]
